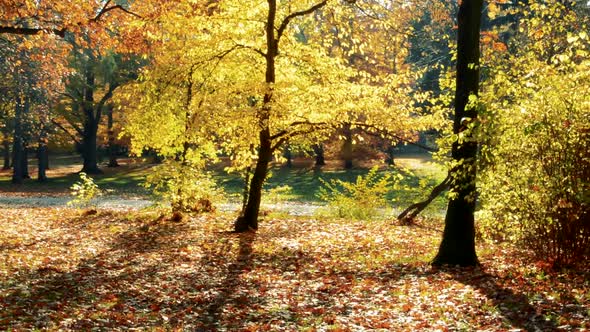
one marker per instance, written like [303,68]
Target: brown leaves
[60,271]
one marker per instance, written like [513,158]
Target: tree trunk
[43,158]
[347,147]
[6,146]
[289,156]
[88,148]
[18,151]
[250,218]
[318,149]
[458,242]
[266,148]
[25,161]
[408,215]
[112,149]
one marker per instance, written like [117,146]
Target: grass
[304,181]
[112,271]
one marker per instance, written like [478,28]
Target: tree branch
[408,215]
[66,131]
[31,31]
[106,9]
[15,30]
[372,130]
[291,16]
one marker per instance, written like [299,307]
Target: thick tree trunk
[318,149]
[89,151]
[91,120]
[458,242]
[112,148]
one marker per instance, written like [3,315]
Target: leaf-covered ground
[115,271]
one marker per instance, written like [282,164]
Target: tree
[458,242]
[252,93]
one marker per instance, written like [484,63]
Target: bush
[536,177]
[185,188]
[83,191]
[359,200]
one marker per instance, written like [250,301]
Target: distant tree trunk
[390,155]
[318,149]
[18,150]
[289,156]
[6,146]
[347,147]
[112,149]
[42,157]
[458,242]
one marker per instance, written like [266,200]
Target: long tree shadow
[227,290]
[515,307]
[48,296]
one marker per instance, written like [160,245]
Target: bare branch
[30,31]
[375,131]
[106,9]
[291,16]
[72,136]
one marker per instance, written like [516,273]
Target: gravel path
[122,203]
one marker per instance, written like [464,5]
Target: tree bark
[458,242]
[112,148]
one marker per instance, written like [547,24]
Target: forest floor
[136,270]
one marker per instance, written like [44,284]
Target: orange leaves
[294,275]
[491,39]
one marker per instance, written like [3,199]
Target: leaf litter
[116,270]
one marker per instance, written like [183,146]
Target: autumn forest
[279,165]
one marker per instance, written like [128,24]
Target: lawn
[303,180]
[60,270]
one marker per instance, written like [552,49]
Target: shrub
[535,184]
[83,191]
[185,188]
[359,200]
